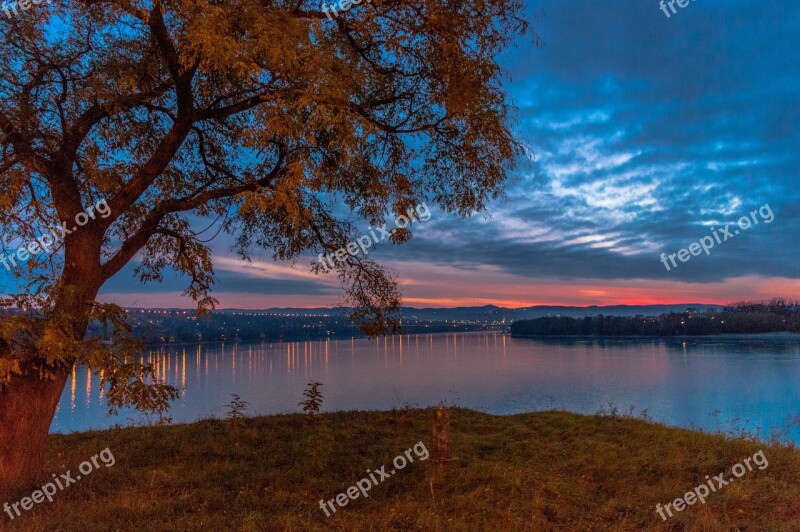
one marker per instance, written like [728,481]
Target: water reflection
[678,382]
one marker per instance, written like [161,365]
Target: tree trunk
[28,403]
[27,407]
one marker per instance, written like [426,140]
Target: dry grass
[539,471]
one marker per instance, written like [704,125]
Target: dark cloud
[646,131]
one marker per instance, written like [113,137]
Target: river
[720,383]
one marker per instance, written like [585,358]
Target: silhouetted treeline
[776,316]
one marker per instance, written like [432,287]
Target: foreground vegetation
[538,471]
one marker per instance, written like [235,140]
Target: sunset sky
[644,133]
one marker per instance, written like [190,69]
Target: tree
[264,116]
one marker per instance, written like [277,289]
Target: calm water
[750,383]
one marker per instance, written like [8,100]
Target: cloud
[642,133]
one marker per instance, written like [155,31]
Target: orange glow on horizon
[461,288]
[520,303]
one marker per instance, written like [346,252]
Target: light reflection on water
[678,382]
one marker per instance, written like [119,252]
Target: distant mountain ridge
[512,314]
[492,312]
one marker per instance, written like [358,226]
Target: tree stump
[442,450]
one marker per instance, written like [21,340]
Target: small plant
[236,408]
[157,420]
[314,397]
[611,410]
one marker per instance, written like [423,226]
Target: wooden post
[442,451]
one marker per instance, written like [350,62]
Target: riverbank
[777,316]
[774,336]
[537,471]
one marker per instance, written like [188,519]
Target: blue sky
[644,132]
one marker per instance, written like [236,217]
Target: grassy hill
[538,471]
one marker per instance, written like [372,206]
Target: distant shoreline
[315,338]
[740,319]
[732,336]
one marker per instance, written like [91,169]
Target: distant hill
[495,313]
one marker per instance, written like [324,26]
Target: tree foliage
[264,117]
[313,399]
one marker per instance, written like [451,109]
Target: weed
[313,400]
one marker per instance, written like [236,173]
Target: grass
[539,471]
